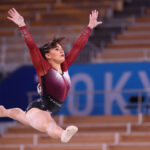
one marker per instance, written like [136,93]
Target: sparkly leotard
[54,85]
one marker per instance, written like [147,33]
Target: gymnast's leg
[42,121]
[14,113]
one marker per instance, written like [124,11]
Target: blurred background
[110,95]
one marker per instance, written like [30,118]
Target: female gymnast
[51,65]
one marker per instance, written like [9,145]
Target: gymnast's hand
[93,19]
[16,17]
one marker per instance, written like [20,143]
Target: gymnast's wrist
[21,24]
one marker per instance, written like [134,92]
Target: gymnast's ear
[48,56]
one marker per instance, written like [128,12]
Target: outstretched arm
[82,40]
[37,58]
[15,17]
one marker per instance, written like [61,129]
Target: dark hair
[52,44]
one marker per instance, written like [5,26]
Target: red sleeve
[38,61]
[77,47]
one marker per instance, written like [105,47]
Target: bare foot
[2,111]
[68,133]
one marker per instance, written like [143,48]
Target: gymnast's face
[56,54]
